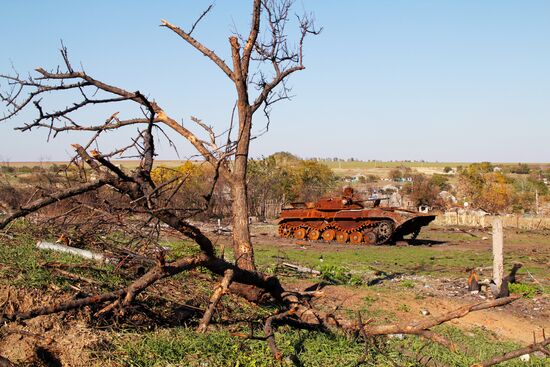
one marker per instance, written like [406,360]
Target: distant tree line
[498,190]
[509,189]
[283,178]
[272,182]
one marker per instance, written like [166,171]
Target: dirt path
[392,305]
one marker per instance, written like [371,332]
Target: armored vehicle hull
[348,221]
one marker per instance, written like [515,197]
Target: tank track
[364,233]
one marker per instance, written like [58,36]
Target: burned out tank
[347,220]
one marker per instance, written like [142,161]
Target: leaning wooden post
[498,243]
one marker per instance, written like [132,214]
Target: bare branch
[200,18]
[270,333]
[416,327]
[50,199]
[65,306]
[200,47]
[209,130]
[269,87]
[535,347]
[221,289]
[252,37]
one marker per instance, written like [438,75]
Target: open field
[385,283]
[380,169]
[331,164]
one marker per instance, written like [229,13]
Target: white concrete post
[498,244]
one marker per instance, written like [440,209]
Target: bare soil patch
[62,339]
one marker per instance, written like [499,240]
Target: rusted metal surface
[349,221]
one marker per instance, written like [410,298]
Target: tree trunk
[242,247]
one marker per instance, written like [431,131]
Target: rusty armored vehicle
[347,220]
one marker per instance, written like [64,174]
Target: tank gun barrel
[372,199]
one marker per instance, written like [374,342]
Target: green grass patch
[526,290]
[407,283]
[180,248]
[478,345]
[362,260]
[184,347]
[21,264]
[440,260]
[339,275]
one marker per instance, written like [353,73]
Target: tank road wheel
[370,238]
[300,233]
[355,237]
[314,234]
[342,236]
[329,234]
[384,231]
[285,231]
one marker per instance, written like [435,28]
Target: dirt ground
[509,322]
[63,339]
[68,338]
[517,321]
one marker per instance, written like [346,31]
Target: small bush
[404,308]
[339,275]
[526,290]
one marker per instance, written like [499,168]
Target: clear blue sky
[389,80]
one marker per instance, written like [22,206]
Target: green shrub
[339,275]
[526,290]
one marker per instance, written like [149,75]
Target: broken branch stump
[216,296]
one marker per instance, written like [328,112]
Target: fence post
[498,243]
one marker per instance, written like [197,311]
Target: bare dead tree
[271,47]
[263,47]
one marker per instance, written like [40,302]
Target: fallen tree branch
[218,266]
[221,289]
[58,196]
[416,327]
[301,269]
[535,347]
[70,275]
[270,333]
[86,254]
[317,318]
[65,306]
